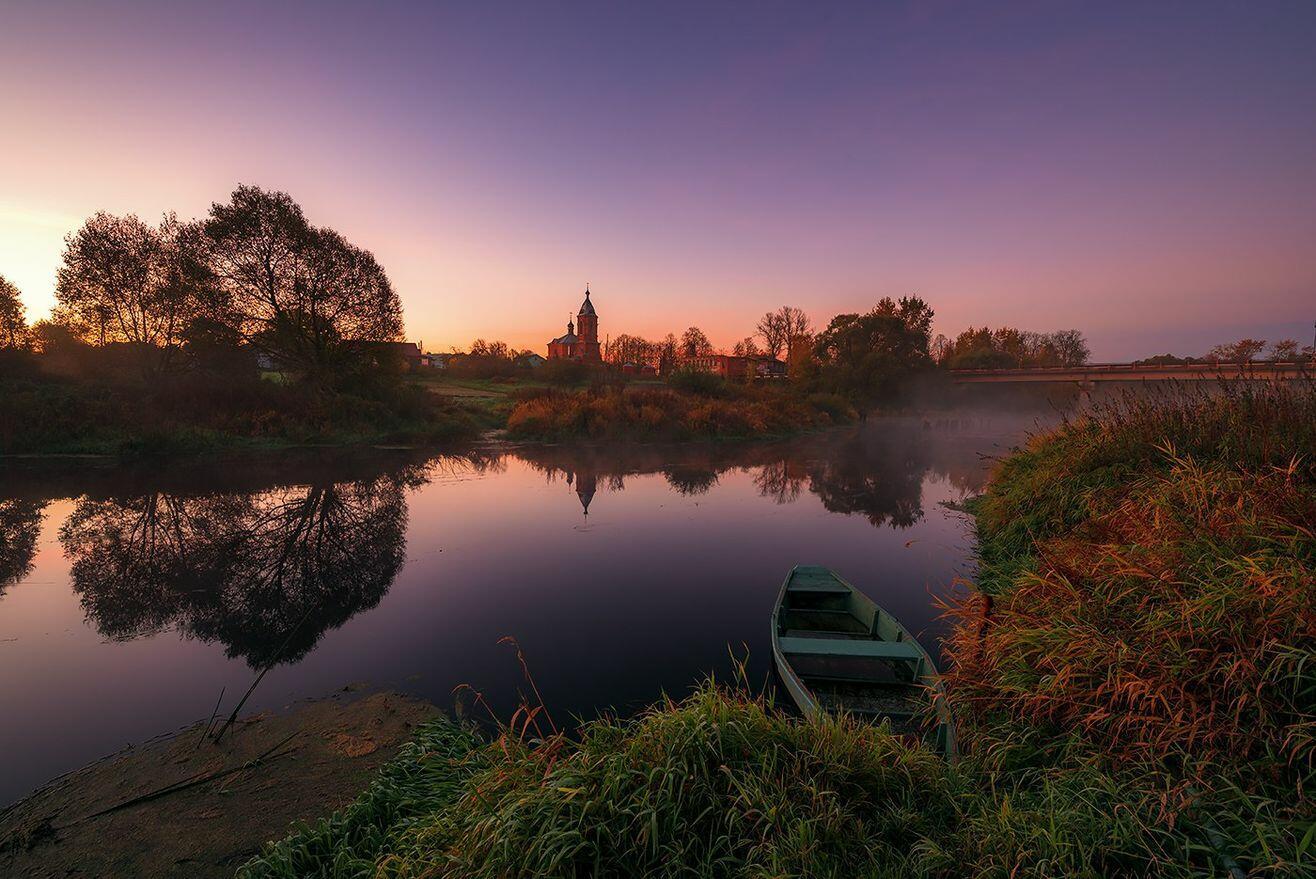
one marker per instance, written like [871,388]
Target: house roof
[568,339]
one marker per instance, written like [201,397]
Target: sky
[1143,172]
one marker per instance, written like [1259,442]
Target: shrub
[838,408]
[697,381]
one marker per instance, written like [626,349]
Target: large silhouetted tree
[866,355]
[125,281]
[303,295]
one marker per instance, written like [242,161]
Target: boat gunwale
[930,677]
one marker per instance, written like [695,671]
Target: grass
[425,776]
[1134,687]
[189,415]
[658,413]
[1148,607]
[723,784]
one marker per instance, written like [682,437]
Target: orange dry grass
[645,413]
[1180,619]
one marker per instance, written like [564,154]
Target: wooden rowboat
[837,651]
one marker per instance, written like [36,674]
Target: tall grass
[612,412]
[723,784]
[1149,608]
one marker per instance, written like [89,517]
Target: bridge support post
[1085,389]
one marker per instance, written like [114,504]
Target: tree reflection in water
[876,472]
[265,573]
[20,526]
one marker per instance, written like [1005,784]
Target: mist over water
[130,596]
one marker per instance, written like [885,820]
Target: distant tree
[13,317]
[1071,347]
[1284,349]
[1007,347]
[125,281]
[1241,351]
[626,348]
[941,348]
[778,328]
[746,347]
[865,355]
[772,331]
[667,349]
[1162,360]
[304,295]
[694,343]
[497,350]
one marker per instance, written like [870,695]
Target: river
[130,596]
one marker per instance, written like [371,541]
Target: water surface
[130,596]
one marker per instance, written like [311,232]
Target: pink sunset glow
[1043,167]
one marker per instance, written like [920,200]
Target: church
[581,342]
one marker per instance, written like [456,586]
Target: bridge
[1090,374]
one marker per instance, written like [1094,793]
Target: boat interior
[848,653]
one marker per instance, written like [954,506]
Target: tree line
[255,275]
[1242,351]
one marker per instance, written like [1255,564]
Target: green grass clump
[1059,479]
[426,775]
[725,785]
[718,785]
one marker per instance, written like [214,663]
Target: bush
[650,413]
[564,372]
[838,408]
[697,381]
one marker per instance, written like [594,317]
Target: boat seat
[814,583]
[894,650]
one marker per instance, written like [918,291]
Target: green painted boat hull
[836,651]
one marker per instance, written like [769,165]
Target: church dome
[587,307]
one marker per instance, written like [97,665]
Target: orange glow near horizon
[1016,169]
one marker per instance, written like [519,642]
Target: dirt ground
[268,771]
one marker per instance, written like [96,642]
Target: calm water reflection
[128,598]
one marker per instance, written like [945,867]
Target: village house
[529,360]
[735,368]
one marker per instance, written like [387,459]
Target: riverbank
[188,416]
[1130,682]
[710,410]
[185,805]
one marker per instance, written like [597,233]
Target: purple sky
[1146,173]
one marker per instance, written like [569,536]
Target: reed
[663,414]
[1149,608]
